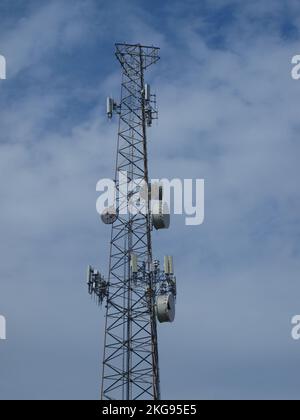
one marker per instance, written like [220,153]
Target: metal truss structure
[130,365]
[130,361]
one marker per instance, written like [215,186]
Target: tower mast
[135,284]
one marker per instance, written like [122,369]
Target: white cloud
[48,29]
[229,116]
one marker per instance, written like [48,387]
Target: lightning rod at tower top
[139,291]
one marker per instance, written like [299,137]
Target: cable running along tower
[137,292]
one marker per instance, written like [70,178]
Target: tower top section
[138,103]
[128,54]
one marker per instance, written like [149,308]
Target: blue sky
[229,113]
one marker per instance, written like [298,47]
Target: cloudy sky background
[229,113]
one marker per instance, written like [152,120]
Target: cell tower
[137,291]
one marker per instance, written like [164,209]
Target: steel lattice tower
[130,361]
